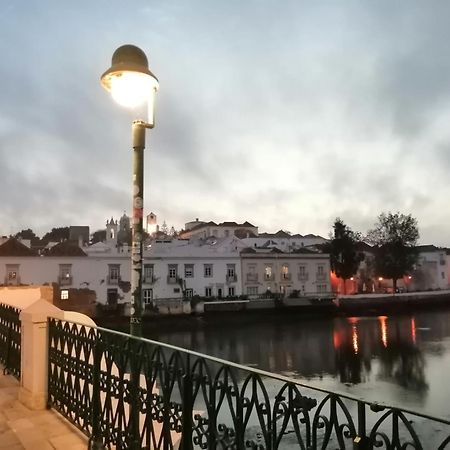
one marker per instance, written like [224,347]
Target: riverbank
[355,305]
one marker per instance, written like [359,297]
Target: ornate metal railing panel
[10,339]
[131,393]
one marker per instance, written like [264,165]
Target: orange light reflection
[355,338]
[413,329]
[383,326]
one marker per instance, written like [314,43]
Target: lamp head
[129,79]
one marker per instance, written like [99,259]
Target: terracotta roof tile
[12,247]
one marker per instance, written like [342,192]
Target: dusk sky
[283,113]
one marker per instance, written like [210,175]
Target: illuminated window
[64,294]
[285,271]
[268,272]
[12,274]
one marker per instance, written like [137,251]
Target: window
[176,290]
[188,293]
[65,274]
[111,297]
[113,273]
[64,294]
[147,295]
[231,291]
[189,270]
[227,233]
[231,270]
[302,271]
[208,270]
[173,271]
[12,274]
[148,273]
[321,288]
[208,292]
[268,272]
[320,270]
[252,290]
[285,272]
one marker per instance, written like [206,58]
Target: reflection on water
[401,359]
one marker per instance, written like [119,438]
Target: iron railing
[131,393]
[10,340]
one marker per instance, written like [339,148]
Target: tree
[57,235]
[344,257]
[395,237]
[98,236]
[25,234]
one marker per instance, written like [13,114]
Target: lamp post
[131,85]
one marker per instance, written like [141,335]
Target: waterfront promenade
[22,428]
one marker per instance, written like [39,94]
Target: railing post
[8,352]
[360,442]
[188,406]
[134,434]
[96,441]
[34,362]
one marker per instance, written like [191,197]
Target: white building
[300,272]
[284,241]
[198,229]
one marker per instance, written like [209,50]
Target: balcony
[65,281]
[149,279]
[286,277]
[253,277]
[231,278]
[172,280]
[303,276]
[112,281]
[12,281]
[269,277]
[321,277]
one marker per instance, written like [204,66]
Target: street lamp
[132,84]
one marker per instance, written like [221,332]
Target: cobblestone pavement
[22,428]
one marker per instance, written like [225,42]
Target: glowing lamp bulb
[132,89]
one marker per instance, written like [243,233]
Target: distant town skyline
[286,115]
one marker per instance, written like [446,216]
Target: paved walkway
[22,428]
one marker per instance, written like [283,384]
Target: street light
[132,84]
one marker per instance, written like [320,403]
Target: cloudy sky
[283,113]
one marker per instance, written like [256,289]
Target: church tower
[152,227]
[111,231]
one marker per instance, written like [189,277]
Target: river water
[398,359]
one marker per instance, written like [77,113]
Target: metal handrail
[166,370]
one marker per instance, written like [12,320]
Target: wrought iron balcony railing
[231,278]
[303,276]
[65,281]
[321,277]
[132,393]
[252,277]
[114,281]
[10,339]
